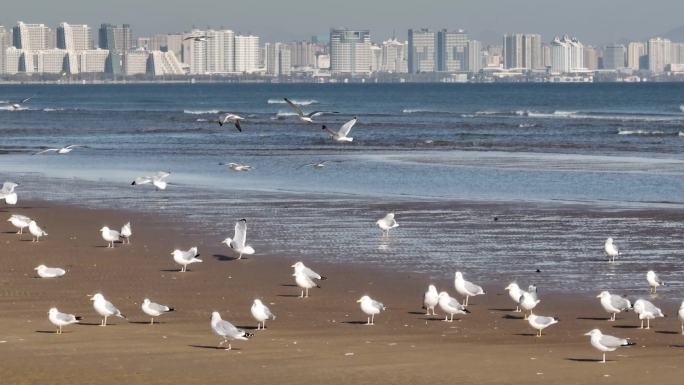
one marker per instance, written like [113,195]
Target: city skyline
[285,22]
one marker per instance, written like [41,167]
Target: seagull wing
[619,302]
[111,308]
[240,236]
[158,307]
[47,150]
[26,100]
[378,305]
[295,107]
[314,114]
[237,125]
[311,274]
[612,342]
[346,128]
[473,288]
[227,329]
[64,317]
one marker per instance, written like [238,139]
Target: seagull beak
[358,301]
[587,334]
[92,298]
[292,266]
[598,296]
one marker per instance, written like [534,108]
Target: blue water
[428,151]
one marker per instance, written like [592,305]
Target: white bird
[371,307]
[261,313]
[154,309]
[611,250]
[681,316]
[515,292]
[16,105]
[60,150]
[318,165]
[654,281]
[387,223]
[305,278]
[237,166]
[184,258]
[105,308]
[528,301]
[300,267]
[230,118]
[238,242]
[430,300]
[306,118]
[613,303]
[49,272]
[158,180]
[450,306]
[540,322]
[19,221]
[8,194]
[465,288]
[647,311]
[61,319]
[110,236]
[198,37]
[126,233]
[606,343]
[227,331]
[342,134]
[36,231]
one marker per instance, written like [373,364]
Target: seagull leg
[683,329]
[230,347]
[604,358]
[642,324]
[368,321]
[648,323]
[372,319]
[60,329]
[452,318]
[302,295]
[152,321]
[612,317]
[105,321]
[307,292]
[539,334]
[466,301]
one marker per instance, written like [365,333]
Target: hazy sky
[592,21]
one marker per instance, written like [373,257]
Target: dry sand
[321,339]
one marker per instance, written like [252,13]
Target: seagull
[105,308]
[528,301]
[606,343]
[16,105]
[49,272]
[299,267]
[237,243]
[654,281]
[110,236]
[154,309]
[611,250]
[681,316]
[184,258]
[19,221]
[36,231]
[540,322]
[7,193]
[341,135]
[61,150]
[61,319]
[158,180]
[318,165]
[387,223]
[647,311]
[126,233]
[614,304]
[227,331]
[236,166]
[450,306]
[430,300]
[230,118]
[466,288]
[515,292]
[305,278]
[371,307]
[198,38]
[306,118]
[261,313]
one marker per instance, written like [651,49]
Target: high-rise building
[31,37]
[513,50]
[93,61]
[614,57]
[278,59]
[473,56]
[13,60]
[636,52]
[220,51]
[422,51]
[591,58]
[135,62]
[118,40]
[74,37]
[246,53]
[677,53]
[50,61]
[303,54]
[350,51]
[376,58]
[567,55]
[451,46]
[4,44]
[546,55]
[659,54]
[523,51]
[394,56]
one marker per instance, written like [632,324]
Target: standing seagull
[184,258]
[387,223]
[61,150]
[647,311]
[230,118]
[614,304]
[341,135]
[61,319]
[306,118]
[105,308]
[528,301]
[227,331]
[681,316]
[158,180]
[540,322]
[430,300]
[611,250]
[36,231]
[154,309]
[654,281]
[300,267]
[238,242]
[371,307]
[606,343]
[465,288]
[7,193]
[450,306]
[515,292]
[110,236]
[126,233]
[19,221]
[49,272]
[261,313]
[305,278]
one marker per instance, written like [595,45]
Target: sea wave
[200,112]
[681,107]
[303,102]
[642,132]
[53,109]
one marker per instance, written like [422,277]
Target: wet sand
[321,339]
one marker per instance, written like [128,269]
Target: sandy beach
[314,340]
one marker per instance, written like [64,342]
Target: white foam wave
[200,112]
[640,132]
[200,120]
[414,111]
[53,109]
[303,102]
[285,113]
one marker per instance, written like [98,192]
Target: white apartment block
[91,61]
[659,54]
[567,55]
[350,51]
[635,51]
[74,37]
[32,37]
[164,63]
[135,62]
[394,56]
[246,53]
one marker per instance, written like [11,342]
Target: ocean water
[561,166]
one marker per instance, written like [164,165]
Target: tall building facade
[614,57]
[350,51]
[659,54]
[303,54]
[4,44]
[278,59]
[523,51]
[220,51]
[394,56]
[636,53]
[567,55]
[451,47]
[247,53]
[473,56]
[422,53]
[72,37]
[31,37]
[118,40]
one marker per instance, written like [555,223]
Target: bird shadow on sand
[173,271]
[146,322]
[213,347]
[10,232]
[288,285]
[501,309]
[94,324]
[666,332]
[508,316]
[355,322]
[584,360]
[247,327]
[49,331]
[676,346]
[225,258]
[626,326]
[593,318]
[415,312]
[525,334]
[289,295]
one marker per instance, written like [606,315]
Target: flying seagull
[198,37]
[230,118]
[342,134]
[236,166]
[306,118]
[158,180]
[15,105]
[61,150]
